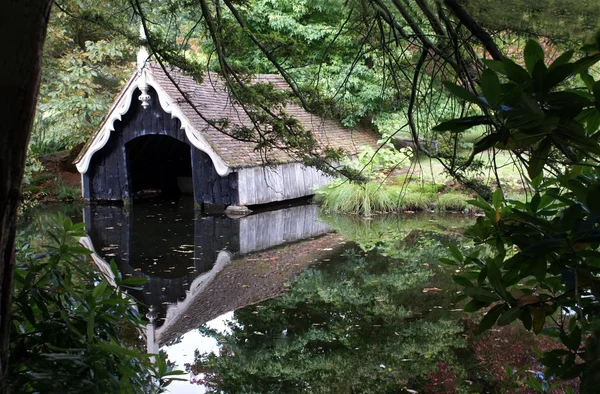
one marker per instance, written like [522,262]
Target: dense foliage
[544,266]
[84,68]
[72,331]
[564,22]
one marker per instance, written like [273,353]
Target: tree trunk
[22,32]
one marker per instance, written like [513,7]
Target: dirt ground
[59,174]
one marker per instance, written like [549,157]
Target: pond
[286,300]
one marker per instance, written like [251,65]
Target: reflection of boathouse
[199,267]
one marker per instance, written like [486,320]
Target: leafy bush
[545,265]
[68,324]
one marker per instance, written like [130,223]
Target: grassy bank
[377,197]
[421,185]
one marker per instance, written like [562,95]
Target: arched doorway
[159,164]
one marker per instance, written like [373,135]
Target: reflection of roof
[247,280]
[212,100]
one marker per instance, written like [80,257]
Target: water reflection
[374,321]
[186,257]
[375,315]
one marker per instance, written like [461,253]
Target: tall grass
[372,197]
[357,198]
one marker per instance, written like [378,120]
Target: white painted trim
[169,106]
[199,284]
[102,137]
[102,264]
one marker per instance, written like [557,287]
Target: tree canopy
[429,69]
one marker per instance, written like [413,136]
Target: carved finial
[151,315]
[144,97]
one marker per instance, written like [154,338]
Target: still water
[286,300]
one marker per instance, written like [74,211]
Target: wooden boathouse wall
[261,185]
[109,174]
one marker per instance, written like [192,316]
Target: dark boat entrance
[159,164]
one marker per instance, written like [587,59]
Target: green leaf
[535,384]
[91,325]
[99,290]
[495,277]
[115,348]
[562,59]
[444,260]
[539,318]
[591,118]
[486,143]
[79,250]
[495,65]
[481,203]
[558,74]
[461,280]
[539,157]
[481,294]
[509,316]
[514,72]
[497,198]
[596,91]
[539,268]
[573,340]
[587,79]
[526,319]
[490,87]
[475,305]
[520,140]
[133,281]
[529,104]
[585,63]
[455,252]
[462,93]
[593,199]
[490,318]
[533,54]
[462,124]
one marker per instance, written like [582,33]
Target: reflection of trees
[362,325]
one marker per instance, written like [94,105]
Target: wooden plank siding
[268,229]
[261,185]
[108,177]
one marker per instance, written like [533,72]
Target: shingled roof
[211,98]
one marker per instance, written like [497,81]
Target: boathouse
[158,136]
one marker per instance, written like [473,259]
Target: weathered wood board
[261,185]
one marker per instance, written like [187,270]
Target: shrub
[67,324]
